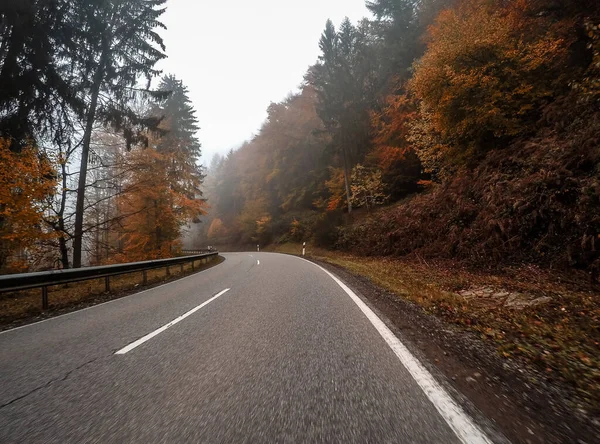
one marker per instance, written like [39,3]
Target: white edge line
[464,428]
[107,302]
[149,336]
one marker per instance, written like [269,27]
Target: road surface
[261,348]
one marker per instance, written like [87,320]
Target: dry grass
[555,327]
[23,304]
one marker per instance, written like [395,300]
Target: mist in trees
[77,91]
[478,117]
[437,107]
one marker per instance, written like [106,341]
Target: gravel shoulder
[524,406]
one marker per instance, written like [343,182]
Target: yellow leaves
[367,187]
[272,175]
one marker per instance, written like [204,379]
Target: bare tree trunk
[62,240]
[97,234]
[64,252]
[85,151]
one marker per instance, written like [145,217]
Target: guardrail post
[107,283]
[145,277]
[168,271]
[192,265]
[181,267]
[44,298]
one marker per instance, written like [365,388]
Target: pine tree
[181,125]
[123,45]
[37,50]
[398,32]
[342,79]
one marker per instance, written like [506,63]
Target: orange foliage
[155,210]
[335,185]
[392,154]
[488,70]
[26,180]
[390,131]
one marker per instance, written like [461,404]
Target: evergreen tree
[37,50]
[343,80]
[398,32]
[123,45]
[181,125]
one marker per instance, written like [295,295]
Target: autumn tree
[180,125]
[216,230]
[392,152]
[367,187]
[164,192]
[27,179]
[157,210]
[487,72]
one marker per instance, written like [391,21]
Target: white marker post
[258,248]
[303,248]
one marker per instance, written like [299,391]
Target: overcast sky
[238,56]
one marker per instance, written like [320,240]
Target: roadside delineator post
[258,248]
[303,248]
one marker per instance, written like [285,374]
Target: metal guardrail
[44,279]
[199,251]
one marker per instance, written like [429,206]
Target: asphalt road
[285,355]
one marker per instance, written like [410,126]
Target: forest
[456,129]
[98,149]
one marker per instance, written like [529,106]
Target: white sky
[237,56]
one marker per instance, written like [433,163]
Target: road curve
[262,348]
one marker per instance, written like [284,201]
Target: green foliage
[178,120]
[39,89]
